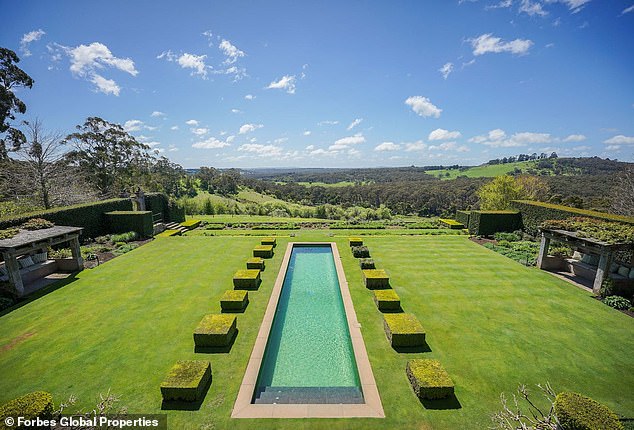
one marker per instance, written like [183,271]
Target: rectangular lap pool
[309,359]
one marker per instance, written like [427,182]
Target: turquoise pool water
[309,356]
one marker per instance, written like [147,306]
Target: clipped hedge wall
[29,406]
[375,279]
[535,213]
[360,251]
[160,203]
[186,381]
[463,217]
[124,221]
[486,223]
[577,412]
[90,216]
[429,379]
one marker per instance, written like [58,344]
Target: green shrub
[215,330]
[355,241]
[617,302]
[360,252]
[124,237]
[509,237]
[255,263]
[30,406]
[8,233]
[55,254]
[186,381]
[234,300]
[463,217]
[269,241]
[577,412]
[37,224]
[450,223]
[191,224]
[429,379]
[248,279]
[524,252]
[403,330]
[90,216]
[263,251]
[126,247]
[124,221]
[604,231]
[376,279]
[607,288]
[535,213]
[5,303]
[366,263]
[487,223]
[387,300]
[215,226]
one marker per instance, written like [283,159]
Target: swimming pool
[309,359]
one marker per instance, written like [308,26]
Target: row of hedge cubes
[188,380]
[428,378]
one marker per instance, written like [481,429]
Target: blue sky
[336,84]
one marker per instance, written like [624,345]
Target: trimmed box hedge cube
[355,241]
[360,252]
[215,330]
[186,381]
[367,263]
[255,263]
[247,279]
[375,279]
[387,300]
[191,224]
[263,251]
[403,330]
[429,379]
[234,300]
[269,241]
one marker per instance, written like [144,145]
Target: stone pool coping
[372,408]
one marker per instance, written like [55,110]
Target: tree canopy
[498,194]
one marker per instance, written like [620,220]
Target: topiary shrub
[403,330]
[429,379]
[248,279]
[269,241]
[617,302]
[234,301]
[360,252]
[263,251]
[376,279]
[186,381]
[255,263]
[355,241]
[30,406]
[387,300]
[577,412]
[367,263]
[215,330]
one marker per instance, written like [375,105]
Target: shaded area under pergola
[27,242]
[587,245]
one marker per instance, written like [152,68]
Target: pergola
[27,241]
[587,245]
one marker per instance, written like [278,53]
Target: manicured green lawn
[490,321]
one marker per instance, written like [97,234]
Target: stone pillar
[13,268]
[602,271]
[543,251]
[76,251]
[140,199]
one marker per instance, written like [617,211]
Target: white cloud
[157,113]
[236,111]
[445,146]
[210,143]
[532,8]
[354,123]
[442,134]
[345,142]
[310,147]
[262,150]
[423,106]
[191,122]
[307,133]
[286,82]
[106,86]
[574,5]
[231,52]
[575,138]
[501,5]
[387,146]
[85,59]
[133,125]
[498,139]
[249,97]
[321,151]
[195,62]
[613,147]
[174,127]
[446,70]
[31,36]
[620,140]
[247,128]
[488,43]
[328,123]
[200,131]
[415,146]
[628,10]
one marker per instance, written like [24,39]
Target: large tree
[112,158]
[623,192]
[39,169]
[11,77]
[498,194]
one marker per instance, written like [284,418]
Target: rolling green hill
[484,171]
